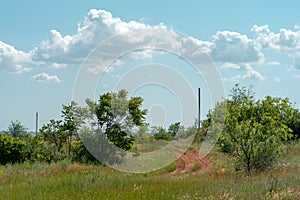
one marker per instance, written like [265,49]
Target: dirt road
[191,163]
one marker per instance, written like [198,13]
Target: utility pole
[199,106]
[36,123]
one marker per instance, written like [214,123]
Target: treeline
[106,121]
[252,131]
[101,130]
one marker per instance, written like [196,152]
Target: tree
[174,128]
[162,134]
[256,147]
[54,134]
[116,115]
[16,129]
[294,123]
[70,123]
[254,130]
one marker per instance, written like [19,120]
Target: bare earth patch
[191,163]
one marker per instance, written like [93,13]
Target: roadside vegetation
[256,156]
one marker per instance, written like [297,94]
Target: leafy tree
[162,134]
[294,123]
[16,129]
[174,128]
[256,147]
[71,122]
[254,130]
[58,135]
[55,137]
[116,115]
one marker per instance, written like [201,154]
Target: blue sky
[41,48]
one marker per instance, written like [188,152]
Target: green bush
[12,150]
[81,154]
[163,135]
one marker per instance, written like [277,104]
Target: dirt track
[191,163]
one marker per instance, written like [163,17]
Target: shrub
[163,135]
[12,150]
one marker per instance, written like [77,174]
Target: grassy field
[65,180]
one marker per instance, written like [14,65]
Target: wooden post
[199,106]
[36,123]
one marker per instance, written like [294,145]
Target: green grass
[149,144]
[70,181]
[106,184]
[196,167]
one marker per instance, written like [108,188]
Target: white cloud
[96,26]
[57,65]
[285,42]
[141,54]
[192,47]
[260,29]
[44,77]
[232,50]
[264,35]
[99,69]
[54,49]
[230,66]
[287,38]
[252,73]
[13,60]
[273,63]
[277,79]
[233,47]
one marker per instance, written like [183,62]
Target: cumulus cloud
[54,49]
[232,50]
[252,73]
[285,42]
[97,26]
[13,60]
[44,77]
[263,35]
[233,47]
[60,51]
[58,65]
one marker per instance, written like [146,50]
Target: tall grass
[73,181]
